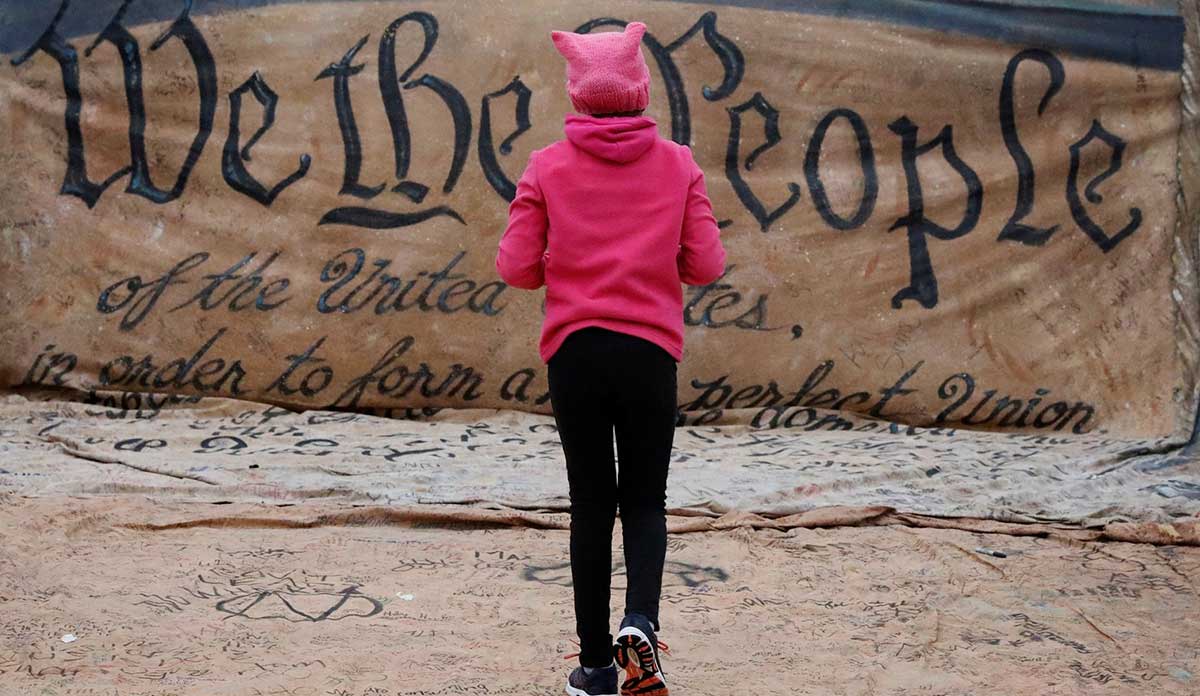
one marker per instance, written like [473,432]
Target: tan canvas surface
[408,609]
[369,280]
[225,450]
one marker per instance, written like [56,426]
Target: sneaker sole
[634,654]
[572,691]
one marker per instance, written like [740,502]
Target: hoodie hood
[615,138]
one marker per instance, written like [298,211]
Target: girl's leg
[579,396]
[645,431]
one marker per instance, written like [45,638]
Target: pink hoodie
[611,220]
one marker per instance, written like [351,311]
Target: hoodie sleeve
[520,260]
[701,258]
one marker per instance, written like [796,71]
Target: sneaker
[636,652]
[601,682]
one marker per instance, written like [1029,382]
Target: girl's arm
[520,260]
[701,258]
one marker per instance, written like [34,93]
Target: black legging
[601,381]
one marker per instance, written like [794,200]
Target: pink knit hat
[605,72]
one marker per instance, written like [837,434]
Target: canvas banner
[934,213]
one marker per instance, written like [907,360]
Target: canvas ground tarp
[412,608]
[227,547]
[231,451]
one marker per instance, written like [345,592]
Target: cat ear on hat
[564,41]
[634,32]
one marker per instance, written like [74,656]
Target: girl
[611,220]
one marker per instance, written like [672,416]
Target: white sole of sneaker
[572,691]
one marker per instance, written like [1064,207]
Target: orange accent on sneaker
[644,685]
